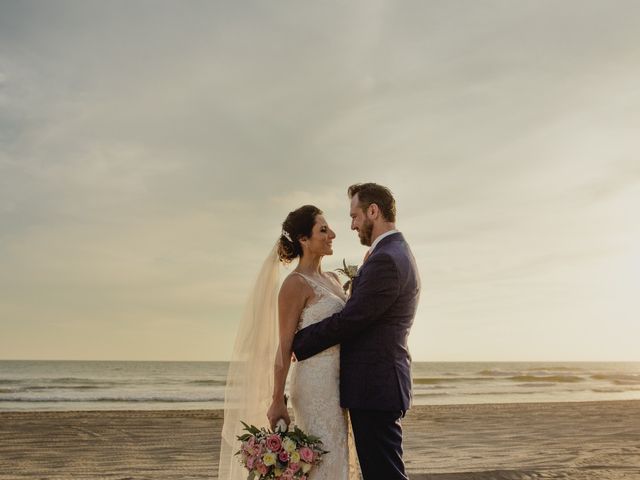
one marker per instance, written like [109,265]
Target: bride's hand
[276,411]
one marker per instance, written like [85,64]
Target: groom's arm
[378,287]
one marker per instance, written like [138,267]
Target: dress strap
[308,279]
[317,287]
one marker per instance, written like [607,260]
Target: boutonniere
[349,271]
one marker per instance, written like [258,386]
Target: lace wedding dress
[315,395]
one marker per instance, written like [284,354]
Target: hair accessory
[286,235]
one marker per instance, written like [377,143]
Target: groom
[372,330]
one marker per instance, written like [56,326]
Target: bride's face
[321,240]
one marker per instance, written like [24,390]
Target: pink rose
[283,456]
[262,468]
[294,467]
[274,443]
[306,454]
[287,475]
[258,449]
[251,461]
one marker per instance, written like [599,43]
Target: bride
[256,384]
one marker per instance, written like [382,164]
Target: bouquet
[279,454]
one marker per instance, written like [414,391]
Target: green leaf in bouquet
[250,428]
[345,269]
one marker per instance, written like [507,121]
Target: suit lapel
[396,237]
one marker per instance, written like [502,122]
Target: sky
[150,150]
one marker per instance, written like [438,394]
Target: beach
[572,440]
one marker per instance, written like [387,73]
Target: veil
[250,376]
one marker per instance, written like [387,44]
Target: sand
[590,440]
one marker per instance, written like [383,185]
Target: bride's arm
[292,299]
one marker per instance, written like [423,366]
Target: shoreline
[575,440]
[218,412]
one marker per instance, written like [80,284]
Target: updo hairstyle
[298,223]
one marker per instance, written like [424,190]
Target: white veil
[250,378]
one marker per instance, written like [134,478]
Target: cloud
[150,152]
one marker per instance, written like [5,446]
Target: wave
[36,388]
[430,394]
[428,388]
[496,373]
[536,384]
[77,382]
[514,392]
[518,392]
[67,380]
[111,399]
[554,369]
[614,390]
[511,376]
[6,381]
[60,382]
[547,378]
[528,371]
[618,378]
[436,380]
[216,383]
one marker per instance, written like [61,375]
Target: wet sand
[590,440]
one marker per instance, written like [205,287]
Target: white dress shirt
[377,241]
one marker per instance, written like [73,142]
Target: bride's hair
[298,223]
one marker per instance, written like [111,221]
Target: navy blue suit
[375,365]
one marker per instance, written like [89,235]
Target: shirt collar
[377,240]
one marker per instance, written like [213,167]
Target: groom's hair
[369,193]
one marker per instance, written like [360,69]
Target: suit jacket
[372,330]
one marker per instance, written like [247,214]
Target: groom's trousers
[378,436]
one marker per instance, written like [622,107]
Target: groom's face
[360,222]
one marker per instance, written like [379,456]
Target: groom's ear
[373,210]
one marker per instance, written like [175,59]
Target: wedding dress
[314,385]
[315,394]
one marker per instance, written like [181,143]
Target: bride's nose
[332,234]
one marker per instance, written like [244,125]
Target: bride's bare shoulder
[295,285]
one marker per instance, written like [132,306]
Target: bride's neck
[310,265]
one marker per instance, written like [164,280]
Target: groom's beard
[366,232]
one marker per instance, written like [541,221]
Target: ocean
[127,385]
